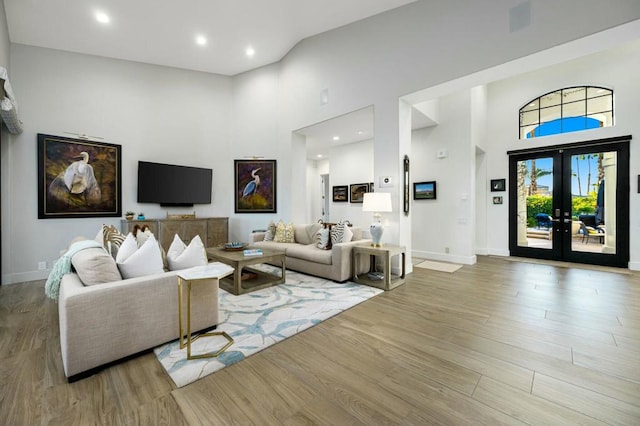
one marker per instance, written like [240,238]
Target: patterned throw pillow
[112,239]
[322,239]
[340,233]
[271,232]
[284,233]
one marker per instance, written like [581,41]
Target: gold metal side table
[187,277]
[386,281]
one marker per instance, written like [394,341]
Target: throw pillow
[322,239]
[271,232]
[95,266]
[181,256]
[340,233]
[138,262]
[111,239]
[284,233]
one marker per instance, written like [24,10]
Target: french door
[571,202]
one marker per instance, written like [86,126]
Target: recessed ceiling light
[201,40]
[336,138]
[360,132]
[250,52]
[319,155]
[103,18]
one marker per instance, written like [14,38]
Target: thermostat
[386,181]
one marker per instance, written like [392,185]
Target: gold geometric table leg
[189,338]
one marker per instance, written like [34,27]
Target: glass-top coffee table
[246,279]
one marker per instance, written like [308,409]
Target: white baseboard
[25,277]
[445,257]
[634,266]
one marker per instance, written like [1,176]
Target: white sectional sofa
[304,256]
[103,323]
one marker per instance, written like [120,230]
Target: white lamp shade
[376,202]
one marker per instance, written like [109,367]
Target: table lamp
[376,202]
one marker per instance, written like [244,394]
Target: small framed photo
[357,191]
[424,190]
[340,194]
[498,185]
[497,200]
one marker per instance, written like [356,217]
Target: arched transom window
[567,110]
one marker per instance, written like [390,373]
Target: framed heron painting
[78,178]
[255,186]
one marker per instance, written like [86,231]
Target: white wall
[616,69]
[448,222]
[156,113]
[5,137]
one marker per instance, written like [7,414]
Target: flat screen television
[173,185]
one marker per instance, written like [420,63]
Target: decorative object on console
[141,216]
[376,202]
[255,186]
[498,185]
[357,191]
[424,190]
[181,216]
[129,215]
[78,178]
[340,194]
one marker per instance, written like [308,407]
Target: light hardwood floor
[498,342]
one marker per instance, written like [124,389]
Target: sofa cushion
[137,262]
[284,233]
[181,256]
[110,238]
[95,266]
[309,252]
[306,234]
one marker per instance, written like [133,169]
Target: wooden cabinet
[212,230]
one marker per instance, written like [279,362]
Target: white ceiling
[163,32]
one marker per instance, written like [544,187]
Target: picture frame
[341,194]
[497,200]
[357,191]
[255,186]
[498,185]
[425,190]
[78,178]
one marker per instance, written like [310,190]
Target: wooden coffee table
[247,279]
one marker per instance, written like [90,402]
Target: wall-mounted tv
[172,185]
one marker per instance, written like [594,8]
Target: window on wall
[567,110]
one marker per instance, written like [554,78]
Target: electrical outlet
[42,265]
[446,249]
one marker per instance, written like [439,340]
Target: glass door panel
[590,201]
[535,203]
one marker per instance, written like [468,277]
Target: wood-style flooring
[498,342]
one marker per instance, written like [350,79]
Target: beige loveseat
[304,256]
[103,323]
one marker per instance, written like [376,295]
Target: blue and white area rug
[260,319]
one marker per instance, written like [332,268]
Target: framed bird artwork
[255,186]
[78,178]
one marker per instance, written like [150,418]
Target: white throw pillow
[138,262]
[340,233]
[95,266]
[181,256]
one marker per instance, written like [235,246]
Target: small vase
[129,217]
[140,217]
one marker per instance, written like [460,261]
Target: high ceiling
[164,32]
